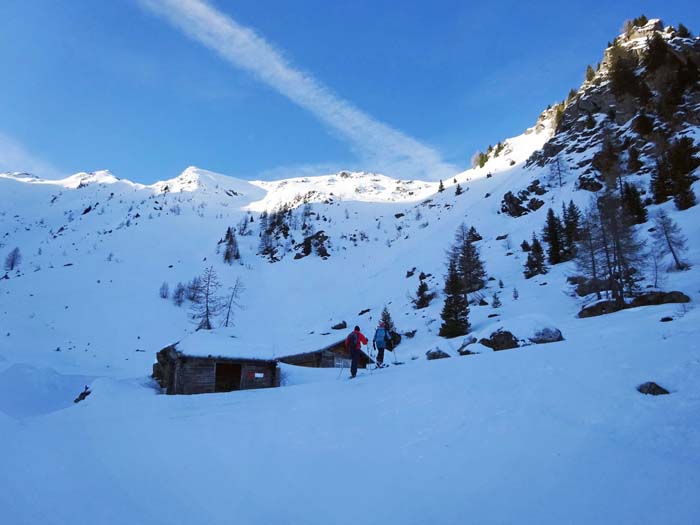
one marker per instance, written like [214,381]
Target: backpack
[382,338]
[351,341]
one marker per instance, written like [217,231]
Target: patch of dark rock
[363,312]
[436,353]
[340,326]
[409,273]
[500,340]
[493,315]
[82,395]
[410,334]
[589,183]
[652,389]
[655,298]
[398,215]
[599,308]
[666,319]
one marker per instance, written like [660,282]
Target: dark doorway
[228,377]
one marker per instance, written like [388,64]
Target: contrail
[15,157]
[386,148]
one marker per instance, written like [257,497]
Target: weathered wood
[183,374]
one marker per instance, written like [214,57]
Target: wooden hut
[208,362]
[333,355]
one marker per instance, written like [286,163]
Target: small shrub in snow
[164,291]
[179,294]
[13,259]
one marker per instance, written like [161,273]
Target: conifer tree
[572,229]
[455,312]
[473,235]
[458,190]
[423,296]
[590,73]
[535,259]
[673,174]
[496,301]
[633,162]
[441,187]
[656,53]
[231,252]
[683,31]
[470,267]
[552,234]
[607,160]
[632,202]
[387,320]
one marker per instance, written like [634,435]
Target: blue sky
[127,85]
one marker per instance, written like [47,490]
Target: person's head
[382,324]
[357,328]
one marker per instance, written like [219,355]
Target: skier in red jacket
[352,345]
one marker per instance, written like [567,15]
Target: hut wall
[263,375]
[195,376]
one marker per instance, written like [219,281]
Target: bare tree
[13,259]
[209,304]
[609,252]
[234,293]
[179,294]
[556,170]
[668,238]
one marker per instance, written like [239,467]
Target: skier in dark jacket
[381,341]
[352,345]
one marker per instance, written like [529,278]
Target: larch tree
[669,239]
[232,301]
[209,305]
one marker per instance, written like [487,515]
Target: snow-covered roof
[221,343]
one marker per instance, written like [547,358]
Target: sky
[265,90]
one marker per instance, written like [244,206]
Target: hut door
[228,377]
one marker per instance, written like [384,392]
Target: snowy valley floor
[545,434]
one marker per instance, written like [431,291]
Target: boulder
[512,205]
[600,308]
[340,326]
[589,183]
[654,298]
[462,350]
[436,353]
[547,335]
[500,340]
[652,389]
